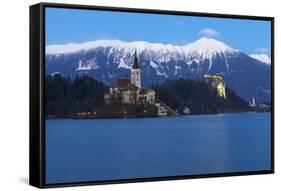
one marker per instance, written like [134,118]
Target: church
[129,91]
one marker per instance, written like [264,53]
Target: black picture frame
[37,89]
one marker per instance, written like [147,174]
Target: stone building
[216,81]
[129,91]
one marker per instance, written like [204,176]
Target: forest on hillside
[199,97]
[65,97]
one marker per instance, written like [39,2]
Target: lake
[107,149]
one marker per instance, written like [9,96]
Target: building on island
[129,91]
[136,72]
[252,103]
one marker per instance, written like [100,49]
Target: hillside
[66,97]
[199,97]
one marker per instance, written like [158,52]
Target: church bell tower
[136,72]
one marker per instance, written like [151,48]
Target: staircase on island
[164,109]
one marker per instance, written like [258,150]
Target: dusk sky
[77,26]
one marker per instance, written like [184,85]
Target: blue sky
[73,25]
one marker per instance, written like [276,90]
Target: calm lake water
[102,149]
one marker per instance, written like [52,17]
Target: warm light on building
[221,90]
[217,82]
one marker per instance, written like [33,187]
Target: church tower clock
[136,72]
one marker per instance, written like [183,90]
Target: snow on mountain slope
[76,47]
[196,52]
[139,45]
[107,60]
[261,57]
[204,47]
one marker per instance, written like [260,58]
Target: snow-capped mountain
[107,60]
[261,57]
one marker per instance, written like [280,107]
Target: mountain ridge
[107,60]
[261,57]
[201,43]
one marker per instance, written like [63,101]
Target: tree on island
[64,96]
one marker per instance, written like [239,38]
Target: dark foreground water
[91,150]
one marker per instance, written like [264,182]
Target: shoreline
[149,117]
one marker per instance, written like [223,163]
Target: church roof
[124,84]
[121,83]
[132,87]
[135,62]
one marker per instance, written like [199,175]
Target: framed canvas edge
[41,89]
[35,99]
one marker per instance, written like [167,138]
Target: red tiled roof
[121,83]
[132,87]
